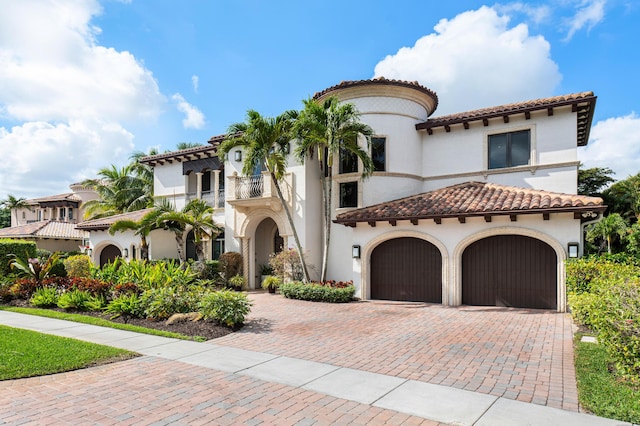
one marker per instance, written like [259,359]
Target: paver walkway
[520,354]
[184,383]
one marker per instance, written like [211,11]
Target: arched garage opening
[109,254]
[510,270]
[406,269]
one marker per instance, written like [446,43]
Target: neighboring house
[50,221]
[475,208]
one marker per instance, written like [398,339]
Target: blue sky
[84,83]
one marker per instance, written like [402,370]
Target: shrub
[225,306]
[318,292]
[161,303]
[230,265]
[286,265]
[95,303]
[78,266]
[20,248]
[74,299]
[125,306]
[23,288]
[44,297]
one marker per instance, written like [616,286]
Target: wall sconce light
[89,251]
[572,248]
[126,252]
[355,252]
[237,155]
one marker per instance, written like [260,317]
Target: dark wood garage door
[406,269]
[509,270]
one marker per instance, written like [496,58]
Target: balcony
[246,192]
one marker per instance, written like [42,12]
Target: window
[349,194]
[348,161]
[70,212]
[378,154]
[206,181]
[509,149]
[62,211]
[218,246]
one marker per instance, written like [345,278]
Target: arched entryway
[267,242]
[510,270]
[109,254]
[406,269]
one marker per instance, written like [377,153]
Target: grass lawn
[25,353]
[600,391]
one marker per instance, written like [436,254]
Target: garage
[406,269]
[510,270]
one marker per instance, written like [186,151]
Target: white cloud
[537,14]
[475,60]
[614,143]
[195,81]
[589,14]
[68,99]
[41,158]
[194,118]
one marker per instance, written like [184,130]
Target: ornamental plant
[226,307]
[318,292]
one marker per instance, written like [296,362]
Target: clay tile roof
[198,152]
[105,222]
[584,103]
[380,81]
[53,198]
[472,199]
[44,229]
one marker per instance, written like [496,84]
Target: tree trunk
[326,195]
[144,249]
[293,227]
[179,245]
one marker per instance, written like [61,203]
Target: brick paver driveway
[519,354]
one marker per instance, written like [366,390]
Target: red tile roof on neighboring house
[472,199]
[582,103]
[105,222]
[48,229]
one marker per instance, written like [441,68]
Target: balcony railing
[220,199]
[249,187]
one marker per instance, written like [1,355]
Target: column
[216,187]
[245,260]
[199,185]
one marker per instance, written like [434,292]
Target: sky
[85,83]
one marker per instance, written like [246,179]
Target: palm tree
[265,142]
[164,206]
[198,215]
[121,190]
[607,229]
[142,227]
[13,203]
[329,128]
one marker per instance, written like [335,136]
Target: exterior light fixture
[355,252]
[572,248]
[126,252]
[89,251]
[237,155]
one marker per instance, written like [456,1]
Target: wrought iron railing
[220,198]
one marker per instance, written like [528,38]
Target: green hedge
[317,292]
[604,295]
[21,248]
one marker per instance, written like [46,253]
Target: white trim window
[509,149]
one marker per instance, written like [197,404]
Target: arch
[365,274]
[456,287]
[255,217]
[109,253]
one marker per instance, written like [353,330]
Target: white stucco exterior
[420,155]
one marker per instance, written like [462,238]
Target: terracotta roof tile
[379,81]
[44,229]
[586,100]
[472,199]
[58,197]
[105,222]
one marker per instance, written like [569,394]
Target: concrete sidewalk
[419,399]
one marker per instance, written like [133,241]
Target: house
[51,221]
[477,208]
